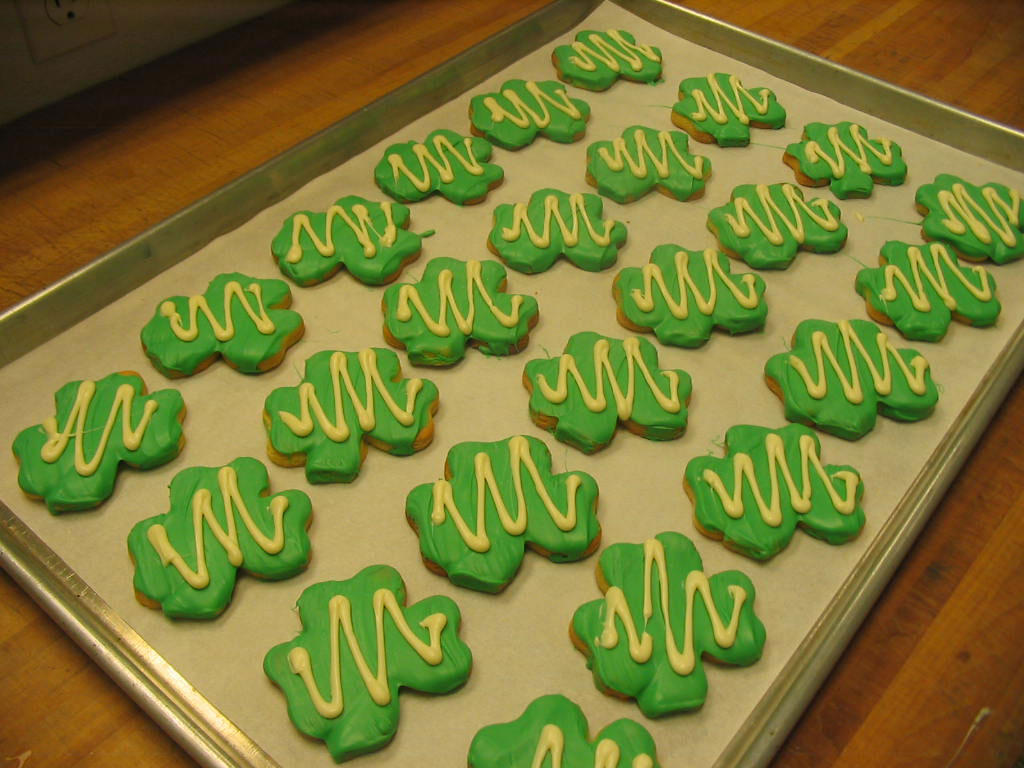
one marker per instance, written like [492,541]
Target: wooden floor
[936,675]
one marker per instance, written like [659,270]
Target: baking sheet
[519,638]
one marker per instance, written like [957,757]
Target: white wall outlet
[53,27]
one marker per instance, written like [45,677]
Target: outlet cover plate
[83,22]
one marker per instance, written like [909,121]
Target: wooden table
[936,675]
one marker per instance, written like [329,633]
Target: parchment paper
[520,637]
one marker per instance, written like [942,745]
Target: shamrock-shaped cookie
[681,295]
[346,400]
[769,482]
[239,318]
[530,236]
[554,727]
[766,224]
[599,382]
[496,500]
[597,59]
[717,108]
[359,644]
[985,222]
[446,162]
[840,376]
[660,614]
[70,460]
[221,519]
[457,303]
[921,288]
[843,156]
[642,159]
[514,116]
[370,239]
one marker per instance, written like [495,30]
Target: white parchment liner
[520,637]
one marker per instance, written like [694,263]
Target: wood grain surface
[935,677]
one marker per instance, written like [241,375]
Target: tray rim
[184,713]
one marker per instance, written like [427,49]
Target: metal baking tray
[168,697]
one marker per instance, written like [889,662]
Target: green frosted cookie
[769,482]
[359,644]
[523,109]
[718,109]
[445,163]
[71,460]
[660,615]
[921,289]
[843,156]
[681,295]
[221,519]
[553,731]
[597,59]
[840,376]
[530,236]
[496,500]
[642,159]
[370,239]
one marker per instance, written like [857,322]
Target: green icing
[553,727]
[514,116]
[71,460]
[239,318]
[359,644]
[643,159]
[599,382]
[985,222]
[719,105]
[445,162]
[347,399]
[497,499]
[922,288]
[766,224]
[769,482]
[847,159]
[597,59]
[530,236]
[681,295]
[370,239]
[456,303]
[840,376]
[228,512]
[656,655]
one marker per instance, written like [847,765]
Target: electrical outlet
[53,27]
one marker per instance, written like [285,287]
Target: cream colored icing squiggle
[609,54]
[799,496]
[75,427]
[311,409]
[914,374]
[524,116]
[724,102]
[551,744]
[202,511]
[409,298]
[682,658]
[487,485]
[570,230]
[963,211]
[232,290]
[936,276]
[442,164]
[858,153]
[619,158]
[597,401]
[686,287]
[378,685]
[361,226]
[817,210]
